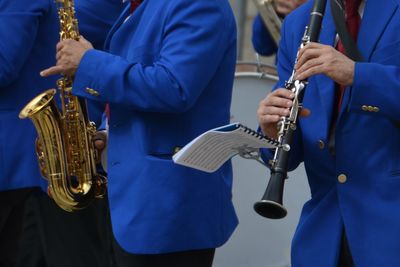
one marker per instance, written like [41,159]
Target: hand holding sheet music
[213,148]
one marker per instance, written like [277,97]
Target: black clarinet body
[270,206]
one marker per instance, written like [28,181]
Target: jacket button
[92,91]
[364,107]
[342,178]
[321,144]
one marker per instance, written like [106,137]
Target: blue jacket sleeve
[261,38]
[191,48]
[381,89]
[96,17]
[19,22]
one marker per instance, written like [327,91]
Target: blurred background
[245,11]
[257,242]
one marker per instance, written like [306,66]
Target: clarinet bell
[270,206]
[270,209]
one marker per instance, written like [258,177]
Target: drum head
[252,84]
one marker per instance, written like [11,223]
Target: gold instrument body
[65,149]
[266,8]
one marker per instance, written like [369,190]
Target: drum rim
[271,75]
[246,62]
[258,75]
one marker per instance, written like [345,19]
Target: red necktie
[134,4]
[353,21]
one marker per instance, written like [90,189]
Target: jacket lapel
[377,14]
[121,19]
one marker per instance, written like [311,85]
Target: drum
[252,83]
[258,242]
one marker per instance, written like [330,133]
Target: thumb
[99,140]
[99,145]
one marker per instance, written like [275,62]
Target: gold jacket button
[321,144]
[92,91]
[342,178]
[375,109]
[364,107]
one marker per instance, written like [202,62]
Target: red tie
[134,4]
[353,21]
[107,111]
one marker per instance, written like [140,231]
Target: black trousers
[12,204]
[53,237]
[345,258]
[192,258]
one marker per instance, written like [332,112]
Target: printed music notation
[210,150]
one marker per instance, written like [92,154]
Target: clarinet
[270,206]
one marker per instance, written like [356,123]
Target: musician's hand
[284,7]
[317,58]
[273,107]
[100,140]
[69,55]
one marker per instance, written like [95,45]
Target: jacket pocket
[166,133]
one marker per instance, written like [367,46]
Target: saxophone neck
[68,22]
[272,21]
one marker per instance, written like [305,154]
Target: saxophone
[64,147]
[271,20]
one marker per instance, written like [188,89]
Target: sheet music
[209,151]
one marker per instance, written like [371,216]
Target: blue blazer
[366,200]
[168,77]
[28,34]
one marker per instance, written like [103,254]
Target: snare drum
[258,241]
